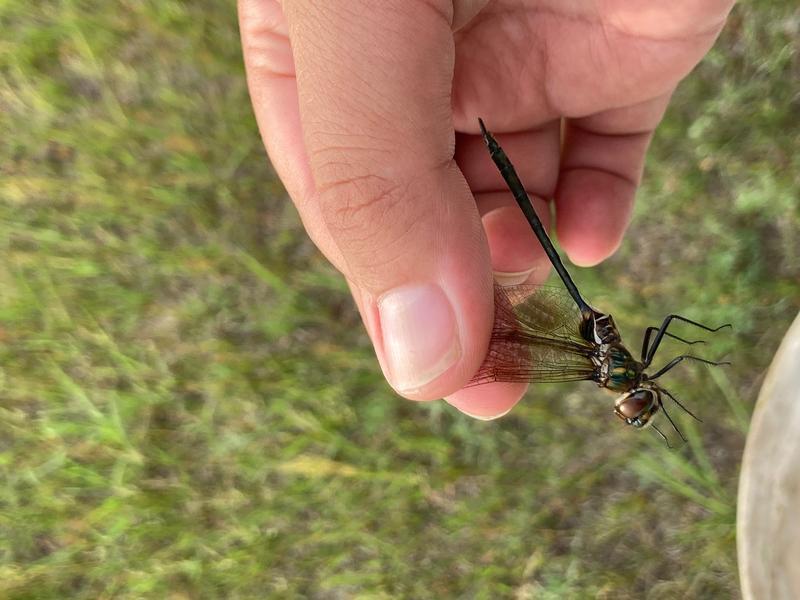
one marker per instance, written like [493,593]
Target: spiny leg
[662,331]
[651,329]
[678,359]
[686,410]
[671,422]
[659,432]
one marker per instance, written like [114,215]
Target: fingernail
[486,417]
[420,337]
[504,278]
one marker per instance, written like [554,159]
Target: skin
[368,111]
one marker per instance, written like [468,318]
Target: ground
[189,407]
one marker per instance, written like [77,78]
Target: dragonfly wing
[537,308]
[535,338]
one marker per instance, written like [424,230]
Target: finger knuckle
[369,213]
[364,202]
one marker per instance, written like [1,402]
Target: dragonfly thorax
[616,369]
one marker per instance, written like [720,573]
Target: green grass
[189,407]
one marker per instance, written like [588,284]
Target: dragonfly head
[638,406]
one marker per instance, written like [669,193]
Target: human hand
[368,111]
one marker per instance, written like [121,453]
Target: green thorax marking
[618,370]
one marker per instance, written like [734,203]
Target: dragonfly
[543,335]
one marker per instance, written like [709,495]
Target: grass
[189,407]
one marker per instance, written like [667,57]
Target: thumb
[386,201]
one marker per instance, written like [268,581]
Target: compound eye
[636,408]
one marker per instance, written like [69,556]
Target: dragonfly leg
[662,331]
[651,329]
[678,359]
[676,401]
[659,432]
[671,422]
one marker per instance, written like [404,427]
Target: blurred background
[189,406]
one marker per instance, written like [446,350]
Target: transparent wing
[535,338]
